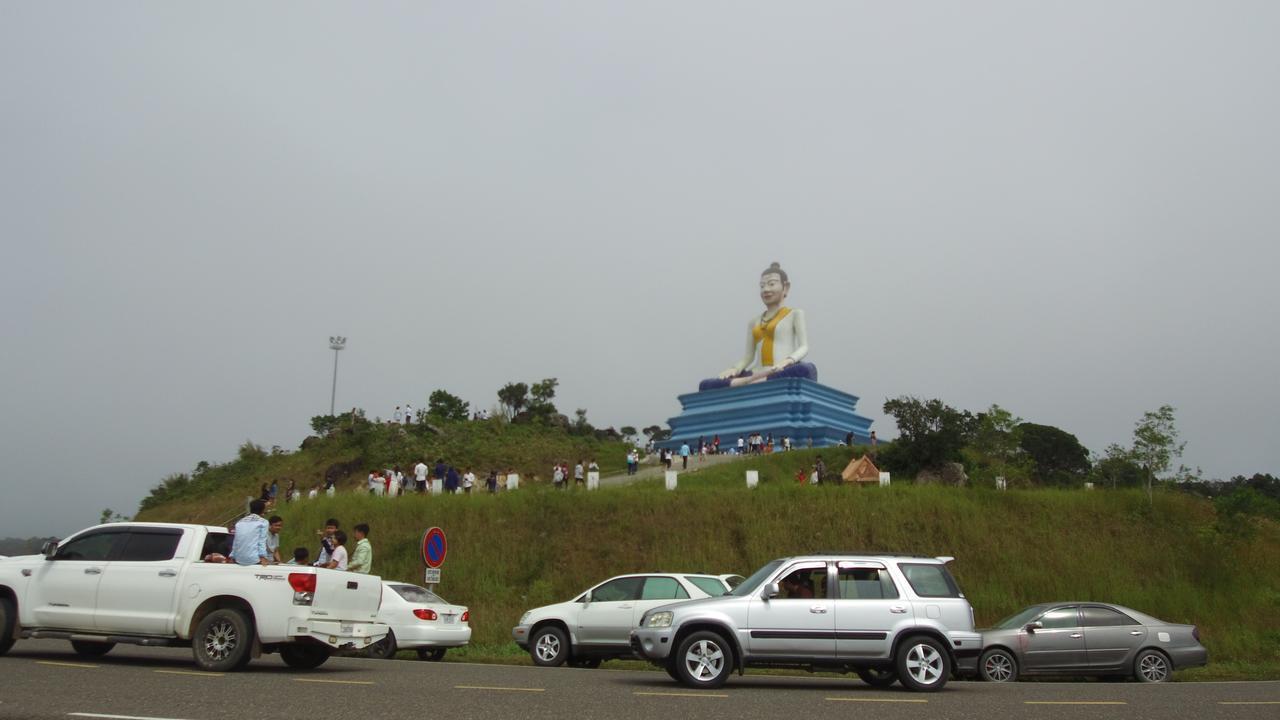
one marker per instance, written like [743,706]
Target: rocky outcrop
[947,474]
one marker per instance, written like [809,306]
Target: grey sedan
[1088,639]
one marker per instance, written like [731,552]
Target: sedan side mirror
[1032,627]
[771,591]
[49,549]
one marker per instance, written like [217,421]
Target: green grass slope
[515,551]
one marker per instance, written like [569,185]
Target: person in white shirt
[397,482]
[376,483]
[338,559]
[468,481]
[420,476]
[314,492]
[398,415]
[408,414]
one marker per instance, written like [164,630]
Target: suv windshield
[750,585]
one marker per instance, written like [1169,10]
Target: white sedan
[420,620]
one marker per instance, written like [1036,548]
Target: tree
[628,432]
[995,450]
[514,397]
[444,405]
[110,516]
[1058,456]
[541,394]
[1117,468]
[1155,444]
[580,425]
[931,433]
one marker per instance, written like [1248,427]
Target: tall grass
[515,551]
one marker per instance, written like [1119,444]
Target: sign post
[434,549]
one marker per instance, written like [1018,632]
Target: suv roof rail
[866,553]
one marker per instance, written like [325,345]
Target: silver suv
[886,617]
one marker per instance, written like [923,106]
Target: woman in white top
[777,340]
[338,559]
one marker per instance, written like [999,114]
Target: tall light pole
[336,343]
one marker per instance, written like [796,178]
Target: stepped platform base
[808,412]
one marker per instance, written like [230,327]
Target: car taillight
[466,616]
[1195,633]
[425,614]
[304,588]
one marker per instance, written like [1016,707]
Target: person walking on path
[250,544]
[468,481]
[362,559]
[557,477]
[741,444]
[684,456]
[578,474]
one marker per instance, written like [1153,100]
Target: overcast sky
[1069,209]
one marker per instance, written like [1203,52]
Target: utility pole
[336,343]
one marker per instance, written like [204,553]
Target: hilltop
[1169,556]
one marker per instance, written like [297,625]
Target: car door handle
[93,571]
[168,573]
[1075,635]
[819,609]
[625,607]
[1135,632]
[898,610]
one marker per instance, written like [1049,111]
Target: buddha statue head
[774,286]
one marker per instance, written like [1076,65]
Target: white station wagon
[596,625]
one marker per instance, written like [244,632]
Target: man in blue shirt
[684,456]
[250,544]
[440,470]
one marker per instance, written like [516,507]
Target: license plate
[449,619]
[347,628]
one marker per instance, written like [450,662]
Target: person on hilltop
[398,417]
[377,483]
[408,414]
[491,482]
[468,481]
[579,476]
[362,558]
[777,340]
[250,544]
[451,480]
[557,476]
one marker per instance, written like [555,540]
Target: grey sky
[1067,209]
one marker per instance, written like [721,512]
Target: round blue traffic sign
[434,547]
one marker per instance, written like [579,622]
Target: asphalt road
[45,679]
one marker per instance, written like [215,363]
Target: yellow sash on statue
[763,333]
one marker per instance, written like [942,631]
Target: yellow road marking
[64,664]
[680,694]
[190,672]
[1074,702]
[502,689]
[879,700]
[335,682]
[1250,702]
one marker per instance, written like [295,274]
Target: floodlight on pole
[336,343]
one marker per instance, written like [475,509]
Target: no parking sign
[434,549]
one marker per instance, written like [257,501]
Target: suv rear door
[868,610]
[799,622]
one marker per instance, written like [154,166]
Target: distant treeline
[22,546]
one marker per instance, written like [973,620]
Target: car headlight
[524,619]
[659,620]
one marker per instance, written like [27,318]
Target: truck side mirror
[49,549]
[771,591]
[1032,627]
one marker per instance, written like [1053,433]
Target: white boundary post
[884,479]
[513,481]
[753,478]
[671,479]
[593,480]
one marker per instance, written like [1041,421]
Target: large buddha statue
[777,341]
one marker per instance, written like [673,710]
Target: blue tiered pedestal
[795,407]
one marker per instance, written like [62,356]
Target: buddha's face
[772,289]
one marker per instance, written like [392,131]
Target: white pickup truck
[148,584]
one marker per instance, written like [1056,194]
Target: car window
[1019,619]
[930,581]
[710,586]
[865,584]
[216,542]
[1105,617]
[415,594]
[1060,618]
[627,588]
[804,584]
[663,588]
[95,547]
[154,546]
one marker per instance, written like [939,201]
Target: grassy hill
[514,551]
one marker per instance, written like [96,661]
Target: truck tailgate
[342,595]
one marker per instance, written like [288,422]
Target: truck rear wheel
[304,656]
[223,641]
[8,615]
